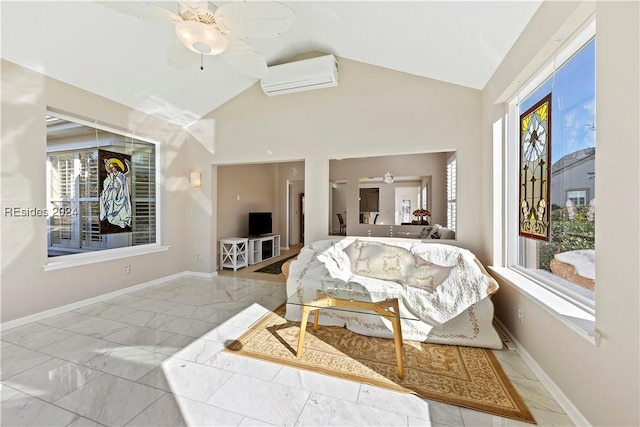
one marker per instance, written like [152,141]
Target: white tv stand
[263,248]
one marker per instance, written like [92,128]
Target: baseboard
[200,274]
[74,306]
[555,391]
[503,337]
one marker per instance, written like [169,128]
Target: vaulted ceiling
[123,58]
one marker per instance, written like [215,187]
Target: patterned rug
[463,376]
[276,267]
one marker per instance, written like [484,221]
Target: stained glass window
[535,144]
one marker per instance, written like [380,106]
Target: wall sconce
[195,178]
[388,178]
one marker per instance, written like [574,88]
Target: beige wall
[256,185]
[25,287]
[602,382]
[373,112]
[262,187]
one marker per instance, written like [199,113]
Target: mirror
[396,202]
[395,196]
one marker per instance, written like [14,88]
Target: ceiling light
[388,178]
[201,38]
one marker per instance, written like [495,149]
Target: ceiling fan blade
[245,59]
[178,56]
[255,19]
[143,10]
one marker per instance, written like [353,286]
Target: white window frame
[452,192]
[74,260]
[576,314]
[512,154]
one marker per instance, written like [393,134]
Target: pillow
[435,232]
[447,233]
[387,262]
[424,234]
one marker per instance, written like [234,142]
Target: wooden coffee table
[352,301]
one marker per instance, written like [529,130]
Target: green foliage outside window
[571,228]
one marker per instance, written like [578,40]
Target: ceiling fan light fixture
[201,38]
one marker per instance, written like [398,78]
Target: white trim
[553,389]
[575,318]
[75,260]
[107,127]
[564,54]
[73,306]
[160,192]
[287,218]
[200,274]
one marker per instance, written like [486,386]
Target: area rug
[463,376]
[276,267]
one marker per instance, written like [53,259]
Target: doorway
[302,218]
[295,213]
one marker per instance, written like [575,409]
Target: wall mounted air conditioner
[307,74]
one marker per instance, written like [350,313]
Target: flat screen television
[260,223]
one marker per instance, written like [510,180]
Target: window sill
[574,317]
[69,261]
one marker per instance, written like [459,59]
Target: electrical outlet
[199,258]
[127,269]
[520,314]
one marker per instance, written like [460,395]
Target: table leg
[397,336]
[381,308]
[303,329]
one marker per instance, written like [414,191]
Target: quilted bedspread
[442,285]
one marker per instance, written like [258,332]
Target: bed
[445,286]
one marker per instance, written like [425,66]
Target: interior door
[302,218]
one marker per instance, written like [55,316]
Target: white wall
[25,287]
[602,382]
[373,112]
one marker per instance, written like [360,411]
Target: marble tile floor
[154,357]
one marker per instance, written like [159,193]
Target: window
[562,256]
[451,192]
[82,165]
[577,197]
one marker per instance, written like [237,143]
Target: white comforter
[457,312]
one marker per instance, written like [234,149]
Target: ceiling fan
[206,30]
